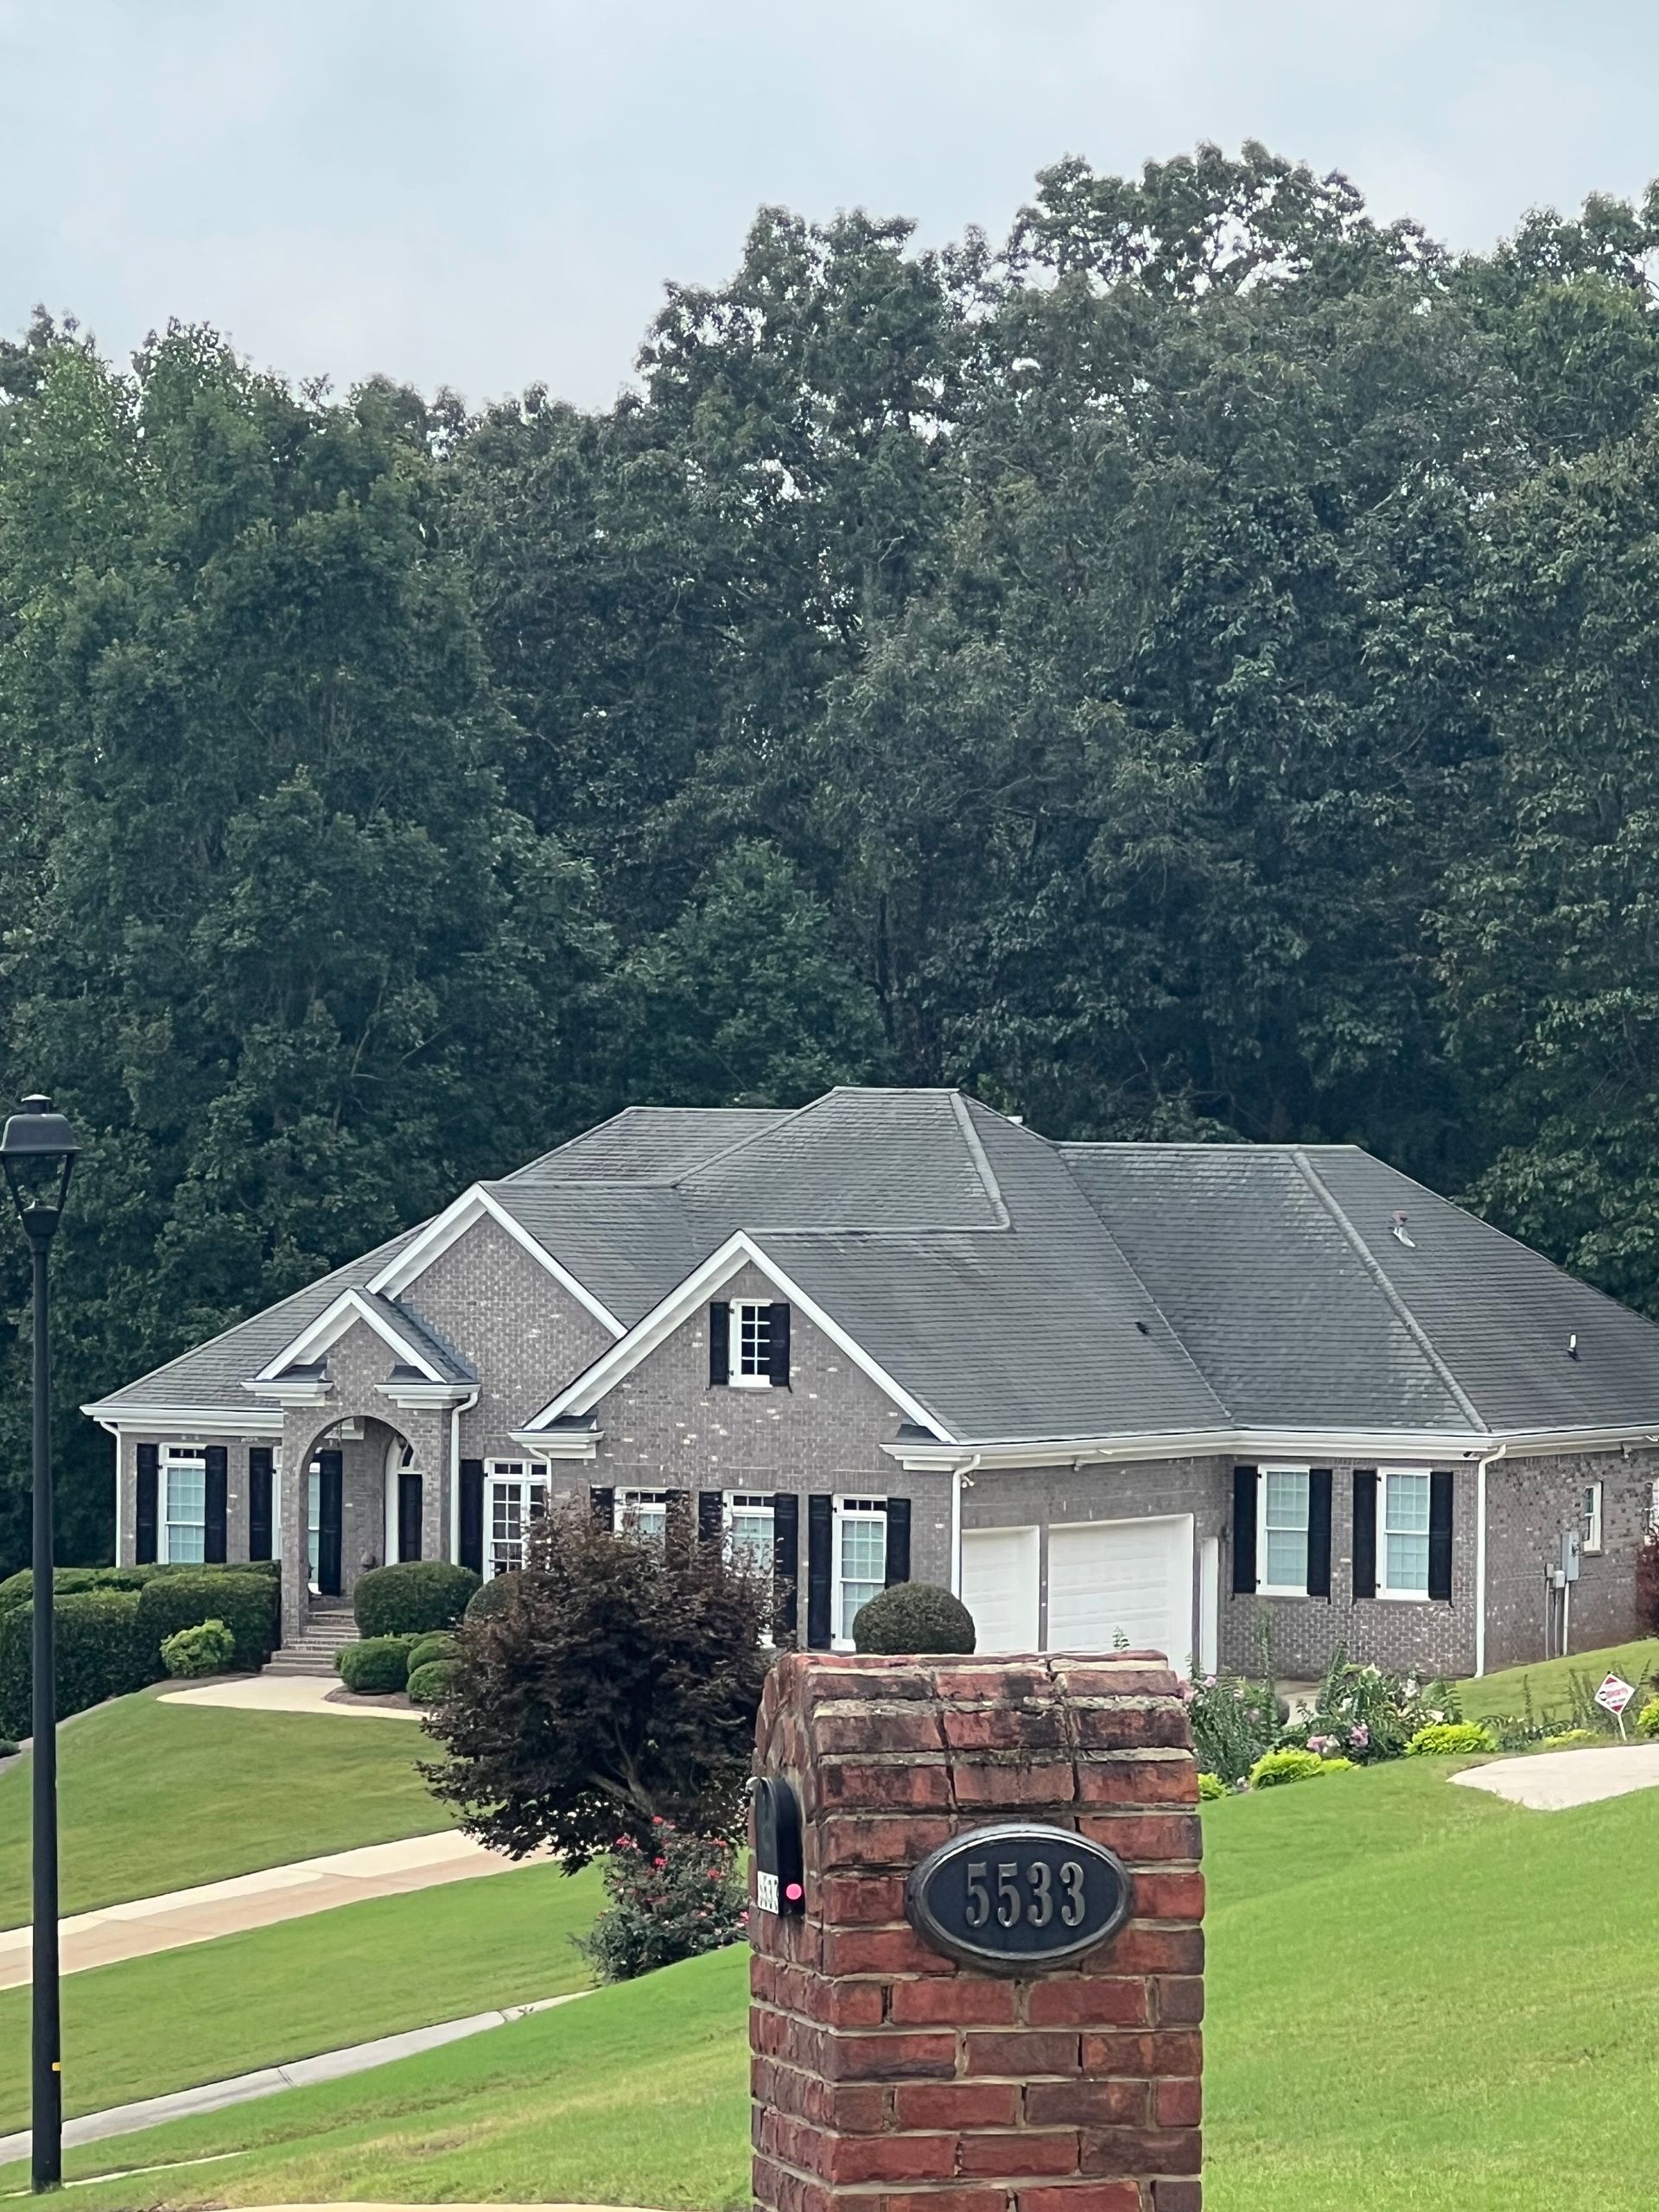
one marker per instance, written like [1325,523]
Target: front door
[409,1513]
[330,1492]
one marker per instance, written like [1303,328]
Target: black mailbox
[780,1879]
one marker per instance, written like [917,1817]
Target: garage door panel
[1123,1579]
[999,1586]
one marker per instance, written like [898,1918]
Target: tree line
[1188,669]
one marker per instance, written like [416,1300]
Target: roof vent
[1572,1345]
[1400,1234]
[1144,1330]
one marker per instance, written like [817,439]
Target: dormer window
[748,1344]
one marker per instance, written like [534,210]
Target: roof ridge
[977,1152]
[1374,1267]
[755,1136]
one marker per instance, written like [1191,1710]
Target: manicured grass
[1421,2000]
[211,2010]
[155,1796]
[1550,1681]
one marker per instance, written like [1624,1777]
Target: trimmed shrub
[430,1681]
[376,1667]
[207,1650]
[677,1898]
[1647,1721]
[17,1591]
[1572,1739]
[179,1597]
[412,1597]
[102,1652]
[1210,1786]
[427,1649]
[489,1598]
[1274,1768]
[913,1617]
[1443,1740]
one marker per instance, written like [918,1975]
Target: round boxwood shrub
[490,1597]
[429,1683]
[412,1597]
[913,1617]
[1443,1740]
[181,1597]
[376,1667]
[426,1649]
[207,1650]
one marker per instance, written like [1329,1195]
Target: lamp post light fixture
[38,1152]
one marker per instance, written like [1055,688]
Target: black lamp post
[37,1152]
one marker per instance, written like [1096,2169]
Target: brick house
[1137,1391]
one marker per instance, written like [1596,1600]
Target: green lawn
[155,1796]
[1550,1681]
[214,2009]
[1421,2000]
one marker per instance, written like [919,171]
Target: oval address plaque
[1015,1899]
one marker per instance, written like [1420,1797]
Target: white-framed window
[185,1503]
[751,1341]
[860,1561]
[1590,1517]
[642,1513]
[314,1522]
[515,1495]
[748,1519]
[1281,1532]
[1402,1533]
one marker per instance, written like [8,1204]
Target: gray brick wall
[1530,1503]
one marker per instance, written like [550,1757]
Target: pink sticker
[793,1890]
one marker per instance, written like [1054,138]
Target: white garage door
[1129,1579]
[998,1587]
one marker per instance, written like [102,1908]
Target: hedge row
[411,1597]
[109,1631]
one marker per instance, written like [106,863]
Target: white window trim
[1397,1596]
[1591,1520]
[525,1472]
[1264,1589]
[850,1508]
[734,1375]
[181,1455]
[633,1500]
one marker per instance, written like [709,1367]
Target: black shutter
[603,1500]
[259,1502]
[409,1514]
[786,1560]
[720,1341]
[898,1566]
[711,1515]
[820,1569]
[471,1514]
[1439,1533]
[144,1509]
[1364,1532]
[331,1498]
[1319,1533]
[1244,1481]
[777,1346]
[216,1461]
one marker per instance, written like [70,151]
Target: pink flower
[1209,1681]
[659,1862]
[1360,1735]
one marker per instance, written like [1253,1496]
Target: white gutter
[464,1406]
[1491,1460]
[1386,1447]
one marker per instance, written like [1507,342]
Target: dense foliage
[378,1666]
[671,1898]
[913,1617]
[1189,669]
[412,1597]
[207,1648]
[612,1684]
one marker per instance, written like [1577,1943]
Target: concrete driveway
[1553,1782]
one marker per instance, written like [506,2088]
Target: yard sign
[1615,1694]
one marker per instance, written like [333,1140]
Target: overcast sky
[491,193]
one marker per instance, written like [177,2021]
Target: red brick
[1168,1896]
[1088,2001]
[1177,2195]
[1122,1728]
[1086,2104]
[947,2200]
[967,2001]
[879,1950]
[1005,1728]
[1082,2196]
[1178,2104]
[955,2104]
[1157,1950]
[1047,1783]
[1120,1675]
[868,1728]
[1010,2157]
[995,1681]
[892,2057]
[892,2157]
[846,2004]
[864,1786]
[1165,1838]
[1178,2002]
[1025,2052]
[860,1900]
[1142,2151]
[845,1841]
[1167,2052]
[1130,1781]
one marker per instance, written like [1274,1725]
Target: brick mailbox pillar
[890,2076]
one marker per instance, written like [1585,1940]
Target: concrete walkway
[1553,1782]
[298,2074]
[290,1892]
[285,1694]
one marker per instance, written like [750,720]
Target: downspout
[955,1521]
[463,1406]
[1491,1460]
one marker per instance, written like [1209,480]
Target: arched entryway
[362,1493]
